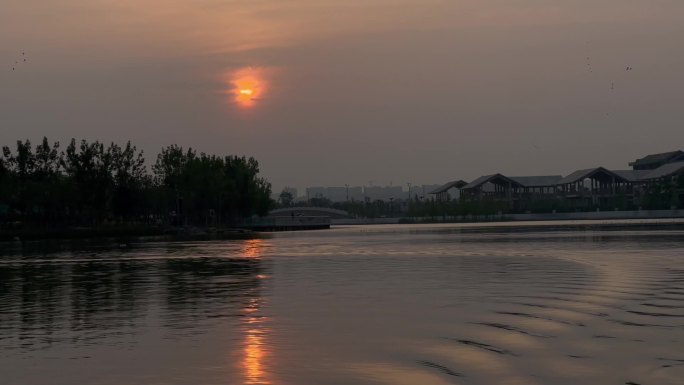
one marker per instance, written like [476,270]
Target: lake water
[399,305]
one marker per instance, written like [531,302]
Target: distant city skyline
[338,193]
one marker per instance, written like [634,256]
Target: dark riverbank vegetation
[658,195]
[90,188]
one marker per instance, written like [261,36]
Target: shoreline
[523,226]
[138,233]
[528,217]
[123,232]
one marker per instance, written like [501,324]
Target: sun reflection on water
[252,248]
[256,354]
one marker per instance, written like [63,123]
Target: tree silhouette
[91,184]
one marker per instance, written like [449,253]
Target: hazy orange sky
[353,91]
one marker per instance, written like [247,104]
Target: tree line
[657,195]
[90,184]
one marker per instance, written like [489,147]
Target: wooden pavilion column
[509,195]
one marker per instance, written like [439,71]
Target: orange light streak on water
[255,357]
[256,351]
[252,248]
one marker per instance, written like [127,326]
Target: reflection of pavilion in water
[256,349]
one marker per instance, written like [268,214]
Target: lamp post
[408,202]
[347,187]
[391,207]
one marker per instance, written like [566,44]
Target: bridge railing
[288,222]
[288,210]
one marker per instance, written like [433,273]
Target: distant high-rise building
[372,193]
[334,194]
[355,193]
[383,193]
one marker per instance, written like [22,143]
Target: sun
[248,86]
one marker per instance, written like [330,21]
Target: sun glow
[248,86]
